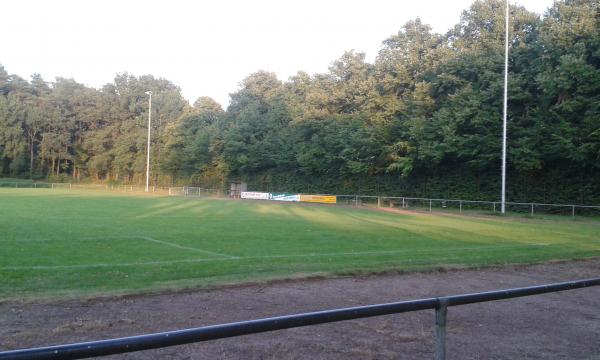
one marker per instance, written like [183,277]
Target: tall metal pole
[148,152]
[506,39]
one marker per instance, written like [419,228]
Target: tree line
[424,118]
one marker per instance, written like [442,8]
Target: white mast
[503,200]
[148,154]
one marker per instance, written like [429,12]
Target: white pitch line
[230,258]
[187,248]
[147,238]
[83,238]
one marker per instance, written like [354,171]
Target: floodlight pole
[148,152]
[503,200]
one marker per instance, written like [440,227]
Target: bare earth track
[554,326]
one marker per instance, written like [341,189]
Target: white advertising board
[285,197]
[255,195]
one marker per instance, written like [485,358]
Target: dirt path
[554,326]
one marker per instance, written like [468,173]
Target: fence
[122,188]
[184,191]
[69,186]
[457,205]
[34,185]
[193,191]
[407,203]
[460,206]
[186,336]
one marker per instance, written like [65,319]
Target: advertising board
[255,195]
[285,197]
[324,199]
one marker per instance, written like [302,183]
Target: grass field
[64,243]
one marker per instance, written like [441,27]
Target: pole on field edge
[531,209]
[504,115]
[148,151]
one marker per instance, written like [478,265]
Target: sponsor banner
[255,195]
[325,199]
[285,197]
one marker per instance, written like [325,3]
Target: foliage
[428,107]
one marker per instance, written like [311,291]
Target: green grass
[72,243]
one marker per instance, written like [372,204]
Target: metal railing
[193,191]
[431,204]
[214,332]
[34,185]
[491,206]
[404,202]
[459,205]
[69,186]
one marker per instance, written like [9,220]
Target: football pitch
[56,243]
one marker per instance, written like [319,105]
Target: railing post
[429,205]
[378,202]
[460,206]
[531,209]
[573,212]
[441,313]
[403,203]
[494,206]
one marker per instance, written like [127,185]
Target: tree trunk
[31,158]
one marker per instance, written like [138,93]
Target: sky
[204,47]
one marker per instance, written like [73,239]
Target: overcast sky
[206,48]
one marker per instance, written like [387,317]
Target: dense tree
[424,118]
